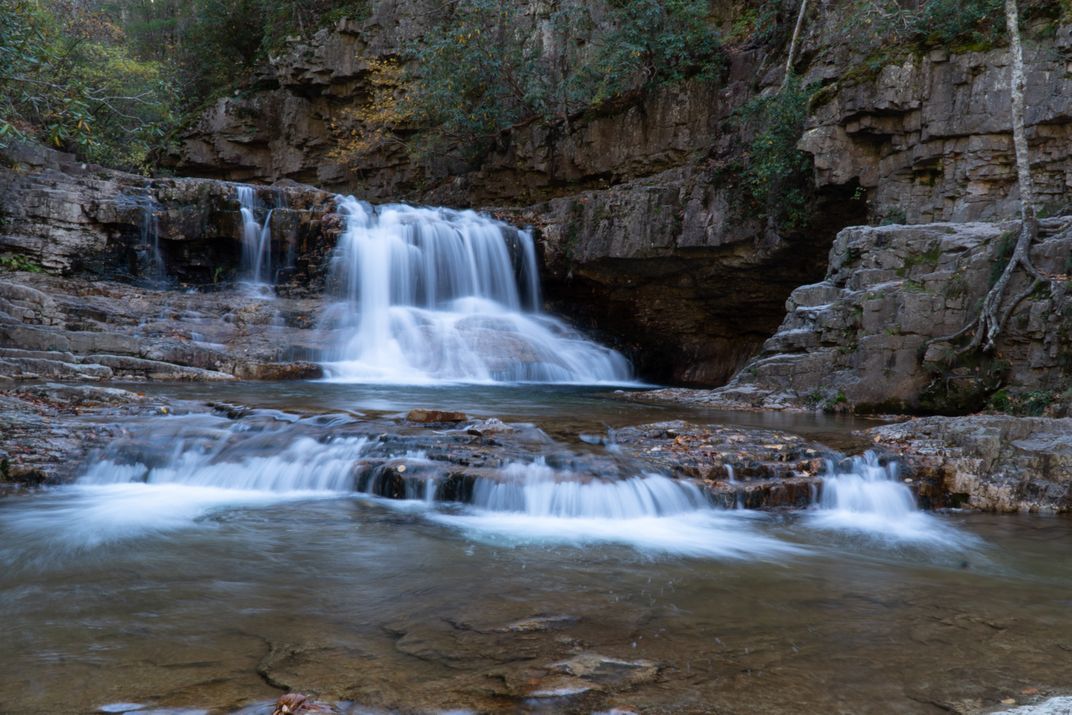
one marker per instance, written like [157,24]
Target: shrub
[67,79]
[777,175]
[486,67]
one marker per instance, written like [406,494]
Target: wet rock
[538,624]
[300,704]
[298,370]
[47,430]
[987,462]
[102,331]
[602,671]
[769,469]
[79,395]
[423,416]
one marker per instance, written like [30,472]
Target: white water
[204,469]
[256,266]
[870,499]
[534,503]
[434,295]
[197,465]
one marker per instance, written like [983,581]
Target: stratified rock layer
[68,329]
[650,235]
[988,462]
[866,337]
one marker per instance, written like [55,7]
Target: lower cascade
[868,497]
[535,489]
[430,295]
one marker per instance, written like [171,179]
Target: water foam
[869,499]
[534,503]
[434,295]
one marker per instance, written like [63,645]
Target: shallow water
[559,409]
[356,599]
[246,565]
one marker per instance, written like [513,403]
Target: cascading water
[869,498]
[256,266]
[535,502]
[537,490]
[150,257]
[439,295]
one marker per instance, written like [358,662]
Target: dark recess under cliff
[695,316]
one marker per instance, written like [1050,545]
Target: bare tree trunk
[1019,132]
[793,43]
[994,315]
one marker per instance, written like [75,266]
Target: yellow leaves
[371,125]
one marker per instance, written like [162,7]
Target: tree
[997,305]
[794,43]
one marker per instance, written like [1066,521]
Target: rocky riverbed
[72,329]
[53,432]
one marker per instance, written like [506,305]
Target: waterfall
[256,267]
[536,490]
[869,498]
[535,502]
[205,451]
[149,257]
[150,239]
[868,488]
[431,295]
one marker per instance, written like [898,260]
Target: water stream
[256,267]
[515,561]
[434,295]
[206,562]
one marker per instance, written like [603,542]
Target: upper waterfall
[432,294]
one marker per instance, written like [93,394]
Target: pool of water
[412,609]
[556,408]
[203,589]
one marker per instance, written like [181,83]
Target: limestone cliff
[141,244]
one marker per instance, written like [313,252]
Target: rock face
[987,462]
[71,218]
[647,232]
[112,257]
[44,433]
[862,338]
[69,329]
[929,137]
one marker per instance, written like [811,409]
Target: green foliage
[66,79]
[653,41]
[478,75]
[959,24]
[487,67]
[927,259]
[1031,403]
[759,24]
[19,262]
[210,46]
[778,175]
